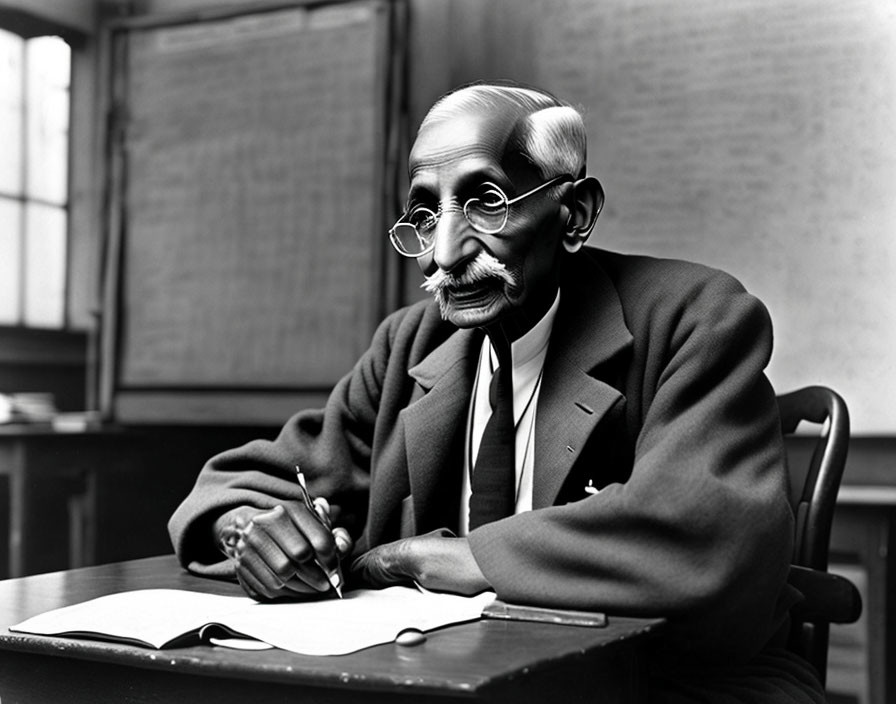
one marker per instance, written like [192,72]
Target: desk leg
[17,498]
[82,521]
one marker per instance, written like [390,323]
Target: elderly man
[567,426]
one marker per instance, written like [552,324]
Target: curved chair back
[829,598]
[816,498]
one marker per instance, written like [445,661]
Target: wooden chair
[829,598]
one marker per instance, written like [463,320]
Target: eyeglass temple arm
[562,178]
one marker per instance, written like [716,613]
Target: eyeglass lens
[416,233]
[413,234]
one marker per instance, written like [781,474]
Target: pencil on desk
[334,577]
[562,617]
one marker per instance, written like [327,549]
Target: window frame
[29,27]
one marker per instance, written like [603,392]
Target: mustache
[482,268]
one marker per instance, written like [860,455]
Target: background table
[51,496]
[486,660]
[862,656]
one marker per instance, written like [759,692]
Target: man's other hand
[282,551]
[433,561]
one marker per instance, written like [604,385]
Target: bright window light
[35,77]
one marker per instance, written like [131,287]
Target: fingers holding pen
[278,553]
[341,536]
[322,509]
[315,527]
[343,540]
[258,582]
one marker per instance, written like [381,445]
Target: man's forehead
[472,136]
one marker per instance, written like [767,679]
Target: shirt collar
[534,342]
[531,345]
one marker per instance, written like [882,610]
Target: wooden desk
[485,660]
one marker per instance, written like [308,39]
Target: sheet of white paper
[154,616]
[332,627]
[363,618]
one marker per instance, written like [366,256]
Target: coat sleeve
[332,446]
[701,531]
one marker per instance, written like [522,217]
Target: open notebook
[160,618]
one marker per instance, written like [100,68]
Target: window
[35,74]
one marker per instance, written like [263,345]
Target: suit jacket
[653,390]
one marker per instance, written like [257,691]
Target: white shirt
[528,355]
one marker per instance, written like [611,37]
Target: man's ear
[587,200]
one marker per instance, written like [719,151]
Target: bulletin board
[246,224]
[760,138]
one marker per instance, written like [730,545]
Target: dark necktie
[494,474]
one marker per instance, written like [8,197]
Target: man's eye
[422,218]
[491,197]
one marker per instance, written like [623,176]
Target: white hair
[549,133]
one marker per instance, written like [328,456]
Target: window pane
[48,65]
[45,266]
[12,48]
[10,256]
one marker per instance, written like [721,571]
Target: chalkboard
[250,207]
[758,137]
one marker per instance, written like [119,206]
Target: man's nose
[455,242]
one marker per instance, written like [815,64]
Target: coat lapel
[435,420]
[589,330]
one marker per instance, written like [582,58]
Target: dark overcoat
[653,392]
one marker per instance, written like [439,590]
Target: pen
[564,617]
[335,577]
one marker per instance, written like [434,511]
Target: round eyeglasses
[414,233]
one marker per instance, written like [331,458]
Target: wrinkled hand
[275,551]
[434,561]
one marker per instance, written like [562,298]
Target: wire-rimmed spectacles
[414,233]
